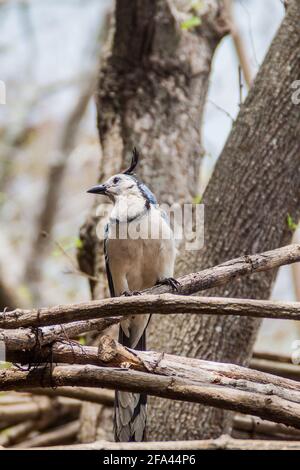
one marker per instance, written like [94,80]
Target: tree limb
[220,385]
[256,426]
[290,371]
[62,434]
[255,184]
[38,409]
[221,443]
[100,397]
[22,338]
[189,284]
[28,339]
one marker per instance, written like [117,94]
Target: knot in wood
[107,349]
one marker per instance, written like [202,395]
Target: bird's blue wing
[147,193]
[108,273]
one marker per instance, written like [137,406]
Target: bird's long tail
[130,408]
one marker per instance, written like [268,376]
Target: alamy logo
[296,352]
[2,92]
[296,95]
[187,222]
[2,352]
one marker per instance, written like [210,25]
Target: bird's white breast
[145,256]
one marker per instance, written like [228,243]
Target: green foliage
[2,198]
[197,199]
[78,244]
[82,340]
[291,223]
[190,23]
[5,365]
[67,244]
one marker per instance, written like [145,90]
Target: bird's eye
[116,180]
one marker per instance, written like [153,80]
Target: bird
[142,257]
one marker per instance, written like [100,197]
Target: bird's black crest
[134,162]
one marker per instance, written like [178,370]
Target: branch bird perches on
[29,339]
[189,284]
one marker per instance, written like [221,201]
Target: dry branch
[239,44]
[60,435]
[290,371]
[230,270]
[221,385]
[38,409]
[189,284]
[14,398]
[18,432]
[255,426]
[101,397]
[272,356]
[27,338]
[107,310]
[13,414]
[14,434]
[223,442]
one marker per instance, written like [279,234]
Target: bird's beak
[99,189]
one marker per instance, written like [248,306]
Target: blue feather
[147,193]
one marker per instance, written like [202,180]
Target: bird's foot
[130,293]
[169,281]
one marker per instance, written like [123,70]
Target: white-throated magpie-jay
[139,252]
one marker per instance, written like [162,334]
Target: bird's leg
[130,293]
[169,281]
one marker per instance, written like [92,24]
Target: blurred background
[49,149]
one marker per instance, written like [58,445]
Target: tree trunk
[6,298]
[255,185]
[151,94]
[152,89]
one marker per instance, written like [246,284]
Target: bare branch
[60,435]
[100,397]
[24,411]
[223,442]
[37,409]
[221,385]
[239,44]
[256,426]
[28,339]
[290,371]
[106,309]
[59,411]
[17,432]
[167,304]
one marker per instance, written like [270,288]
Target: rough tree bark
[152,89]
[151,93]
[256,183]
[224,386]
